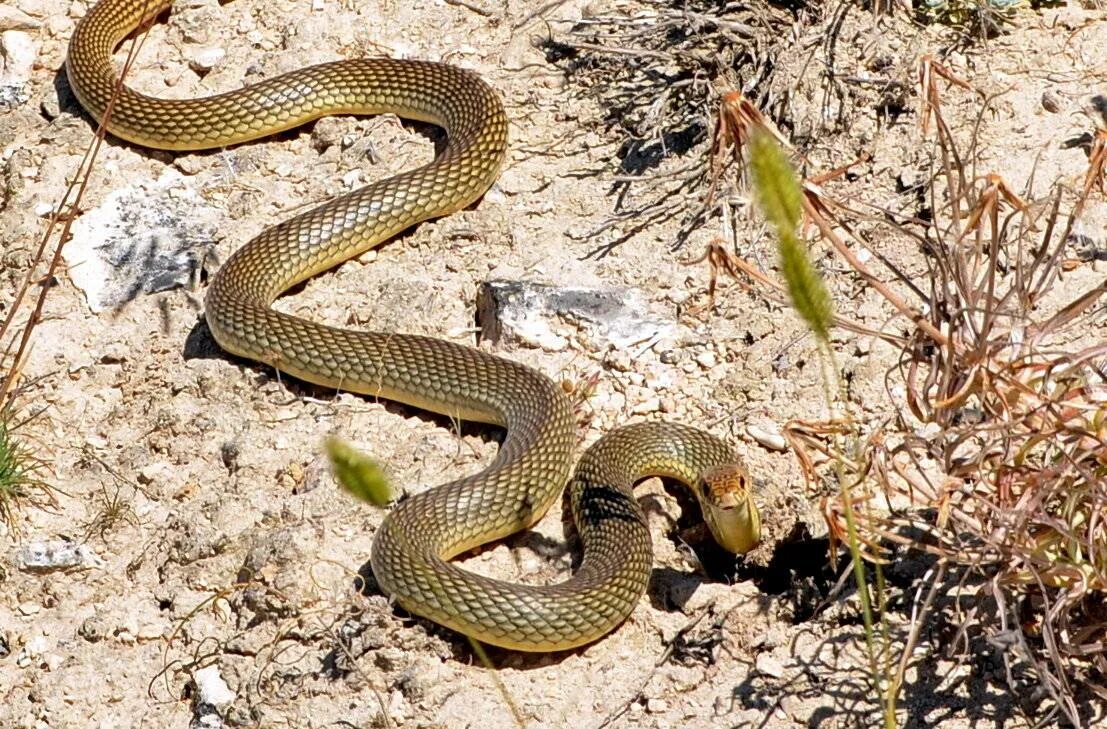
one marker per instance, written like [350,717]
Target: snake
[419,536]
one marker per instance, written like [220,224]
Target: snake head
[728,507]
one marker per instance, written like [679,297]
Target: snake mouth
[729,509]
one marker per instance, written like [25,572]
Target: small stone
[29,608]
[415,682]
[769,665]
[17,58]
[154,473]
[150,632]
[1051,102]
[684,678]
[144,238]
[620,361]
[796,708]
[32,650]
[351,179]
[768,436]
[59,554]
[211,689]
[909,178]
[707,360]
[203,60]
[656,706]
[928,431]
[390,659]
[12,18]
[649,406]
[398,708]
[94,629]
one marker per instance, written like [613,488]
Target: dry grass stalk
[1001,462]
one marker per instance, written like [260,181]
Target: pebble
[34,648]
[796,708]
[146,237]
[17,58]
[1051,102]
[620,361]
[29,608]
[152,473]
[528,312]
[204,59]
[211,689]
[649,406]
[351,179]
[767,436]
[707,360]
[769,665]
[398,708]
[94,629]
[657,706]
[12,18]
[390,659]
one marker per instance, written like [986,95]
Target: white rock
[351,179]
[529,312]
[56,554]
[206,58]
[211,689]
[769,665]
[768,436]
[12,18]
[398,708]
[31,651]
[707,360]
[141,239]
[17,58]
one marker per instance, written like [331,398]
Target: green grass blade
[358,474]
[781,202]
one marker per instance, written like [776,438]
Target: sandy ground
[197,478]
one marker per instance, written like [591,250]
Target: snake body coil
[417,538]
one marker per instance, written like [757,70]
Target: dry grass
[660,72]
[999,463]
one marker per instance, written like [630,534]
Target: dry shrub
[998,464]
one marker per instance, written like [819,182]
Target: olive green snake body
[418,536]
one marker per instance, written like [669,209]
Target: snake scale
[418,537]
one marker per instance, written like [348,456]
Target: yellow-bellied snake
[413,546]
